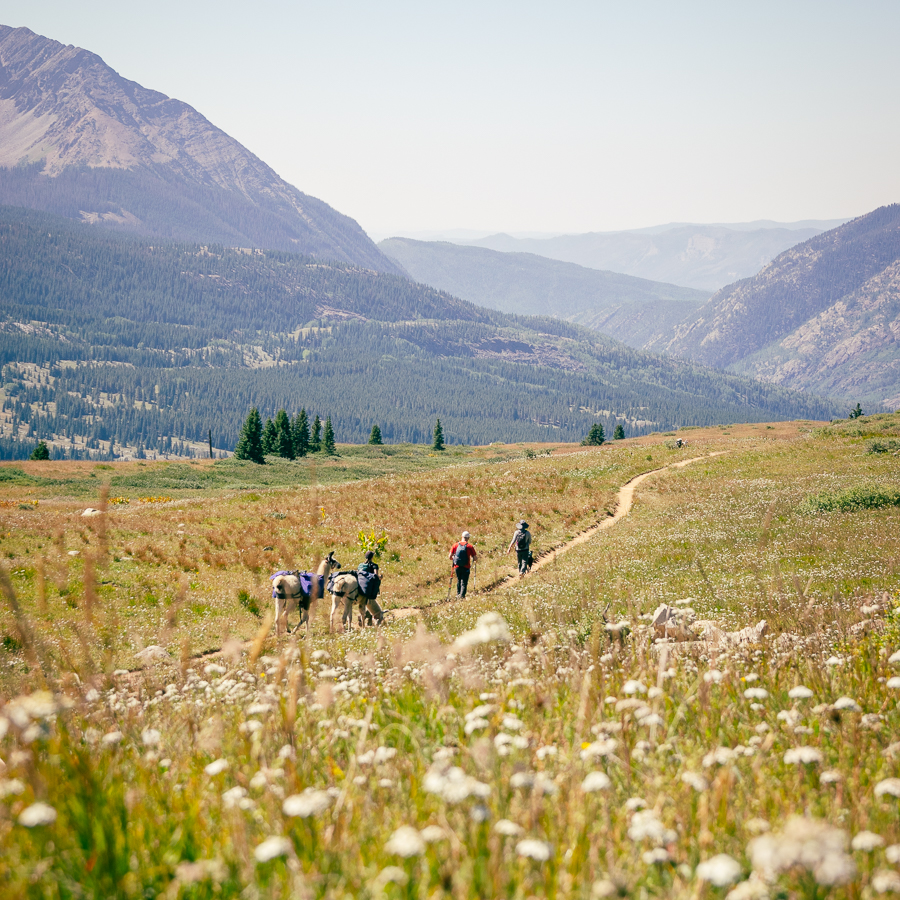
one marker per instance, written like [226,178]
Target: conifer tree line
[285,437]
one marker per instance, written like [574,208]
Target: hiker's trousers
[462,581]
[523,560]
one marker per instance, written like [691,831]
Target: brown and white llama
[289,595]
[345,587]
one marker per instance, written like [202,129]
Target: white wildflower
[719,870]
[886,881]
[829,776]
[866,841]
[754,888]
[508,829]
[655,857]
[800,693]
[847,703]
[892,854]
[216,767]
[406,842]
[806,756]
[695,780]
[112,738]
[808,843]
[894,657]
[713,676]
[754,694]
[595,781]
[599,748]
[392,875]
[476,725]
[151,737]
[37,814]
[633,803]
[233,796]
[718,757]
[634,687]
[489,627]
[894,682]
[431,834]
[11,788]
[889,786]
[756,826]
[646,827]
[604,888]
[544,752]
[272,848]
[534,849]
[834,661]
[310,803]
[453,784]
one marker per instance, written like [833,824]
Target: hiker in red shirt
[462,555]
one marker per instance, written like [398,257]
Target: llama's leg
[278,613]
[375,611]
[334,603]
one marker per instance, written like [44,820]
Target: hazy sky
[518,116]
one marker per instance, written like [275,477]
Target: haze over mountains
[79,140]
[633,310]
[705,257]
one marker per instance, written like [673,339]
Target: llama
[288,591]
[345,586]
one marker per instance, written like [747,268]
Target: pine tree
[328,439]
[41,452]
[300,429]
[856,413]
[438,443]
[269,439]
[595,436]
[315,442]
[249,445]
[284,438]
[375,436]
[619,433]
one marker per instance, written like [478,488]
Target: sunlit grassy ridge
[452,758]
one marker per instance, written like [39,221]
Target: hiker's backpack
[461,557]
[369,584]
[521,541]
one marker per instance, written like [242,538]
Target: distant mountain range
[633,310]
[823,316]
[79,140]
[705,257]
[106,336]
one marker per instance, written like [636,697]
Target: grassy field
[513,746]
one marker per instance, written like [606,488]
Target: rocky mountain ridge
[64,111]
[823,316]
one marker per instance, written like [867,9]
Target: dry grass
[694,754]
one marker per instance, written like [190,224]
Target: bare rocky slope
[78,139]
[823,316]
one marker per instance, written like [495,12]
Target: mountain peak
[64,108]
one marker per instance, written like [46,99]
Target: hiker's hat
[465,535]
[370,555]
[523,524]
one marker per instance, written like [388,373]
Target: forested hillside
[154,345]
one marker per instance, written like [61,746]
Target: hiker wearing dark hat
[522,542]
[462,555]
[368,577]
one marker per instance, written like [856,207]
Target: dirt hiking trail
[624,502]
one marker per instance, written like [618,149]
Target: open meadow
[535,740]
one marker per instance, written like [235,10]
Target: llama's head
[332,562]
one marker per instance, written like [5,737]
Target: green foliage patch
[852,499]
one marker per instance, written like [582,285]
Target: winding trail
[624,502]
